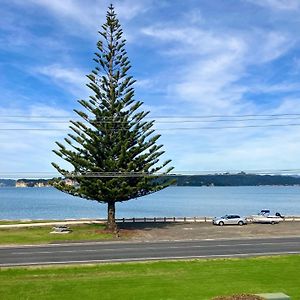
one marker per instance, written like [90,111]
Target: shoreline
[176,185]
[167,219]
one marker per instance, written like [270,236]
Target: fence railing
[202,219]
[292,218]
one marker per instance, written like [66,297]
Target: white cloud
[218,60]
[281,5]
[194,16]
[205,71]
[190,39]
[288,105]
[144,83]
[239,148]
[275,150]
[129,9]
[17,37]
[77,14]
[77,11]
[210,66]
[57,72]
[284,87]
[258,46]
[71,79]
[273,45]
[30,150]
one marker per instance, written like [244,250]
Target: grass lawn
[41,235]
[197,279]
[26,221]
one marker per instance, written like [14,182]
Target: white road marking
[50,252]
[148,258]
[151,248]
[3,247]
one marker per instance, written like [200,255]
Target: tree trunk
[111,221]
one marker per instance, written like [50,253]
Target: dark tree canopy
[113,150]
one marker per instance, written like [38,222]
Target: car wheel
[272,223]
[221,223]
[241,223]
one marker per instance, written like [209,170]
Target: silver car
[230,220]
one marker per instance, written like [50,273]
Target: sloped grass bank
[197,279]
[42,235]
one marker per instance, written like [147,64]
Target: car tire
[272,223]
[241,223]
[221,223]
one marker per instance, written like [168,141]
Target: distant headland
[227,179]
[19,183]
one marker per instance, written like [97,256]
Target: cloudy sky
[227,69]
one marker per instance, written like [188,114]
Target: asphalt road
[141,251]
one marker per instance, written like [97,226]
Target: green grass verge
[41,235]
[198,279]
[8,222]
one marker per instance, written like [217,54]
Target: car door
[229,220]
[233,219]
[236,219]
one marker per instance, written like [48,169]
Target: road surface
[103,252]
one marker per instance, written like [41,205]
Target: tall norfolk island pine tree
[113,148]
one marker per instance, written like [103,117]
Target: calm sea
[48,203]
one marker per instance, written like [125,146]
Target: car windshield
[224,217]
[263,212]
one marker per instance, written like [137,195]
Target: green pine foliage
[113,150]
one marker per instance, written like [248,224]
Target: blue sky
[190,58]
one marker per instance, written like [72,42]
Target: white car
[229,220]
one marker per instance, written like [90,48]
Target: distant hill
[7,182]
[241,179]
[236,180]
[32,182]
[23,182]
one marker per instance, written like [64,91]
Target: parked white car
[229,220]
[265,216]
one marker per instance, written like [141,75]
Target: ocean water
[49,203]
